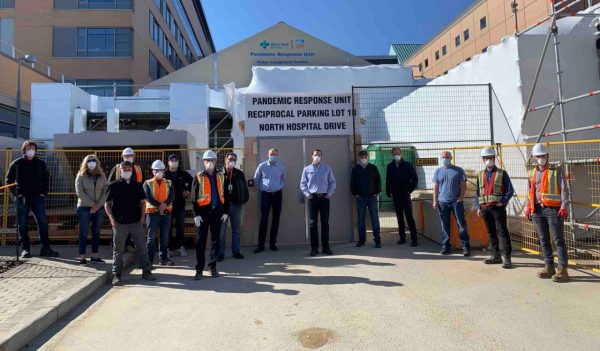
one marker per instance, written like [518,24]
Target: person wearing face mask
[449,187]
[493,191]
[236,195]
[128,155]
[126,208]
[182,185]
[31,175]
[401,180]
[365,185]
[547,202]
[210,211]
[270,178]
[318,184]
[91,186]
[159,201]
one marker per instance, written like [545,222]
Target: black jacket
[198,210]
[401,180]
[365,181]
[238,194]
[182,181]
[31,176]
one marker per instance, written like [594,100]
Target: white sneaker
[182,252]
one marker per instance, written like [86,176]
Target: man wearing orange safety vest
[547,201]
[210,210]
[159,205]
[492,194]
[128,155]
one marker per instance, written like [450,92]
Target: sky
[360,27]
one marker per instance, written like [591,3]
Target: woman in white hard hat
[159,204]
[547,201]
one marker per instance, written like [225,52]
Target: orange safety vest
[490,192]
[549,188]
[138,173]
[160,192]
[204,190]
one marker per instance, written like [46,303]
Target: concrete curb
[44,318]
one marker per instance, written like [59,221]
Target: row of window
[426,62]
[163,43]
[170,20]
[93,4]
[92,42]
[466,36]
[104,87]
[7,4]
[156,70]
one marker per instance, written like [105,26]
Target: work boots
[546,272]
[561,276]
[506,262]
[493,259]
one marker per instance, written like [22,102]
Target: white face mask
[130,159]
[91,165]
[397,158]
[316,159]
[490,163]
[210,165]
[542,161]
[30,153]
[126,175]
[159,175]
[173,164]
[230,164]
[364,162]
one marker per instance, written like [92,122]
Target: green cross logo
[264,44]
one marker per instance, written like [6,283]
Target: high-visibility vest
[138,173]
[204,190]
[549,188]
[490,192]
[160,192]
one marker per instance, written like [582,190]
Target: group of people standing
[218,196]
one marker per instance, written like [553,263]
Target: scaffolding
[558,9]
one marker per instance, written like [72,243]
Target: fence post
[5,200]
[491,114]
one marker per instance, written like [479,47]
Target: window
[420,67]
[466,34]
[457,40]
[468,59]
[445,72]
[482,23]
[157,71]
[93,4]
[163,43]
[437,55]
[7,4]
[7,26]
[484,50]
[104,42]
[444,50]
[104,87]
[426,63]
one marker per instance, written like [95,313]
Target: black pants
[211,219]
[268,200]
[403,207]
[316,206]
[495,222]
[177,222]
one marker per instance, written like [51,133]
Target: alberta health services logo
[292,44]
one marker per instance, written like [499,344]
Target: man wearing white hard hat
[210,210]
[159,205]
[128,155]
[492,194]
[547,201]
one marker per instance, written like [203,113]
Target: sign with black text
[427,162]
[297,114]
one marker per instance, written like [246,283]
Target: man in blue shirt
[318,184]
[270,178]
[449,187]
[492,193]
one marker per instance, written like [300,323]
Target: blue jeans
[155,222]
[36,204]
[362,203]
[550,227]
[85,218]
[458,209]
[235,217]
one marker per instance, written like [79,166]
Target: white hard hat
[208,155]
[488,151]
[158,164]
[539,150]
[128,151]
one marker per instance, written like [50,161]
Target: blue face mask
[272,158]
[446,161]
